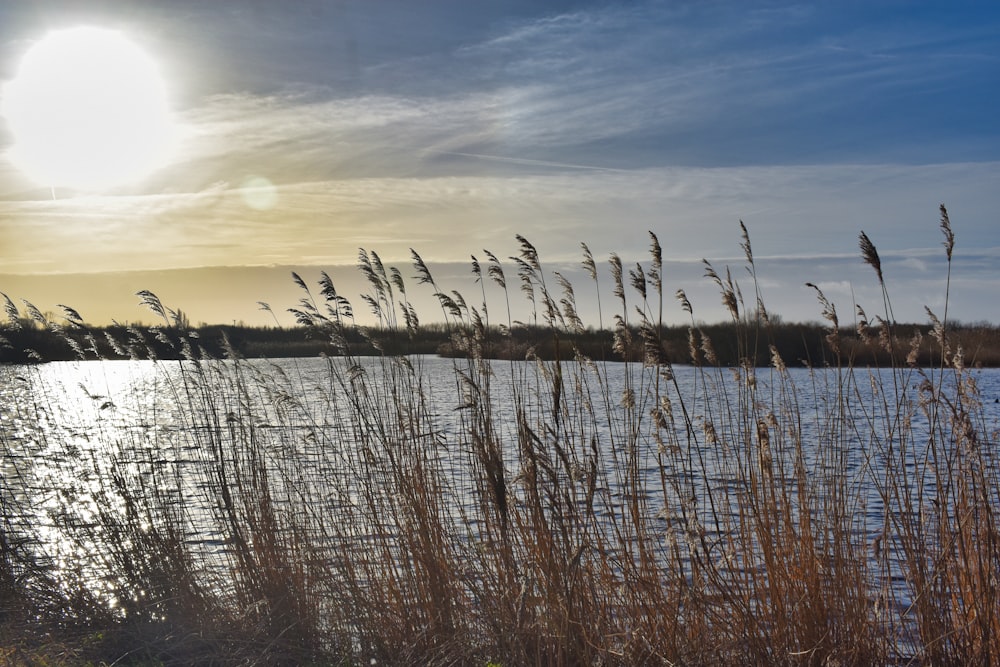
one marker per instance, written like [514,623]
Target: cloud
[836,288]
[641,85]
[595,123]
[914,264]
[792,212]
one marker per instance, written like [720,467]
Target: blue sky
[451,126]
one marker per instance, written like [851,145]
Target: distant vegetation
[568,511]
[800,344]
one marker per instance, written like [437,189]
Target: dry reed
[568,511]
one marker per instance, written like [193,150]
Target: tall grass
[568,511]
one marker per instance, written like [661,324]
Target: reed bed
[570,511]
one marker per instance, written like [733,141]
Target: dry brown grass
[575,512]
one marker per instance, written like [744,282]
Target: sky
[305,130]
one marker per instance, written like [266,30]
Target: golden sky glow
[201,148]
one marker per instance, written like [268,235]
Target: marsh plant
[567,511]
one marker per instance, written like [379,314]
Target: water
[81,441]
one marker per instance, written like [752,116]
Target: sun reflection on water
[71,430]
[85,444]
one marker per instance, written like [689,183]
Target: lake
[82,442]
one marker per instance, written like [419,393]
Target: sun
[87,110]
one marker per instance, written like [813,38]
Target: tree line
[726,344]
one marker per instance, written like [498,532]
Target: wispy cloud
[637,85]
[803,212]
[440,129]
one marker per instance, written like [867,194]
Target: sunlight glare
[88,110]
[259,193]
